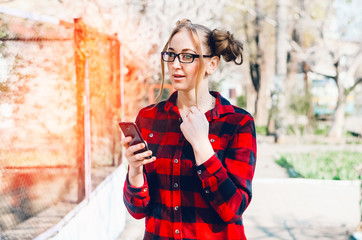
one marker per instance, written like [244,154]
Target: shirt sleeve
[136,199]
[228,186]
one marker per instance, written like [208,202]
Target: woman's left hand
[195,128]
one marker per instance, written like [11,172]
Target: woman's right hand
[136,161]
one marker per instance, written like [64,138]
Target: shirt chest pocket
[158,143]
[153,139]
[218,143]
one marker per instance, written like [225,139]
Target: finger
[141,156]
[198,114]
[135,148]
[182,126]
[193,109]
[191,116]
[125,141]
[147,161]
[189,113]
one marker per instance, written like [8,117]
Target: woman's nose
[176,63]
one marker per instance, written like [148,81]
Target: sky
[348,14]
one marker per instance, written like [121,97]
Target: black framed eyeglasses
[182,57]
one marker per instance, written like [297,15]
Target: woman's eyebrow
[188,49]
[183,50]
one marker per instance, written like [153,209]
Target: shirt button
[175,161]
[145,189]
[207,191]
[175,185]
[199,172]
[150,135]
[177,231]
[212,140]
[176,208]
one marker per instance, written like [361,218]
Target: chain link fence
[42,116]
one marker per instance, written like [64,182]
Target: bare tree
[336,131]
[251,20]
[332,50]
[337,52]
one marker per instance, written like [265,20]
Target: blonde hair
[218,42]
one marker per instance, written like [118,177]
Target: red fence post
[116,98]
[79,37]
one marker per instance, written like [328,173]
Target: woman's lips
[178,76]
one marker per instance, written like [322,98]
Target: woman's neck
[185,100]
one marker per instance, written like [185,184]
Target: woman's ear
[212,65]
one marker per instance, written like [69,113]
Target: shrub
[262,130]
[333,165]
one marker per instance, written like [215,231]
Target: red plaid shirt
[181,200]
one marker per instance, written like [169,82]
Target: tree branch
[326,75]
[350,89]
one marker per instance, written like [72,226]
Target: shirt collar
[222,106]
[171,103]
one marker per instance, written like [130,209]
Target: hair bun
[183,22]
[223,44]
[230,37]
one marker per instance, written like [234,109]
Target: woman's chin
[178,86]
[181,86]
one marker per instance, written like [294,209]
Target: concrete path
[302,209]
[297,209]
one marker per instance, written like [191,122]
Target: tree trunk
[250,92]
[336,131]
[281,67]
[264,96]
[254,69]
[256,62]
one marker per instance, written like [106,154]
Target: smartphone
[131,129]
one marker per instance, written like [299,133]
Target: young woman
[198,182]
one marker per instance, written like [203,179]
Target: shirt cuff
[210,167]
[140,192]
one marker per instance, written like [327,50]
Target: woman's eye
[170,54]
[187,56]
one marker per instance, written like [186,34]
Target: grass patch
[322,130]
[332,165]
[262,130]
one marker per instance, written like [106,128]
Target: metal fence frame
[81,31]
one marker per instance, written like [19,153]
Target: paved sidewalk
[134,229]
[295,209]
[302,209]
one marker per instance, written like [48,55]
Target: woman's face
[183,75]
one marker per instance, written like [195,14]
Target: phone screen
[131,129]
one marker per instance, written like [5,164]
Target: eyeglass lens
[182,57]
